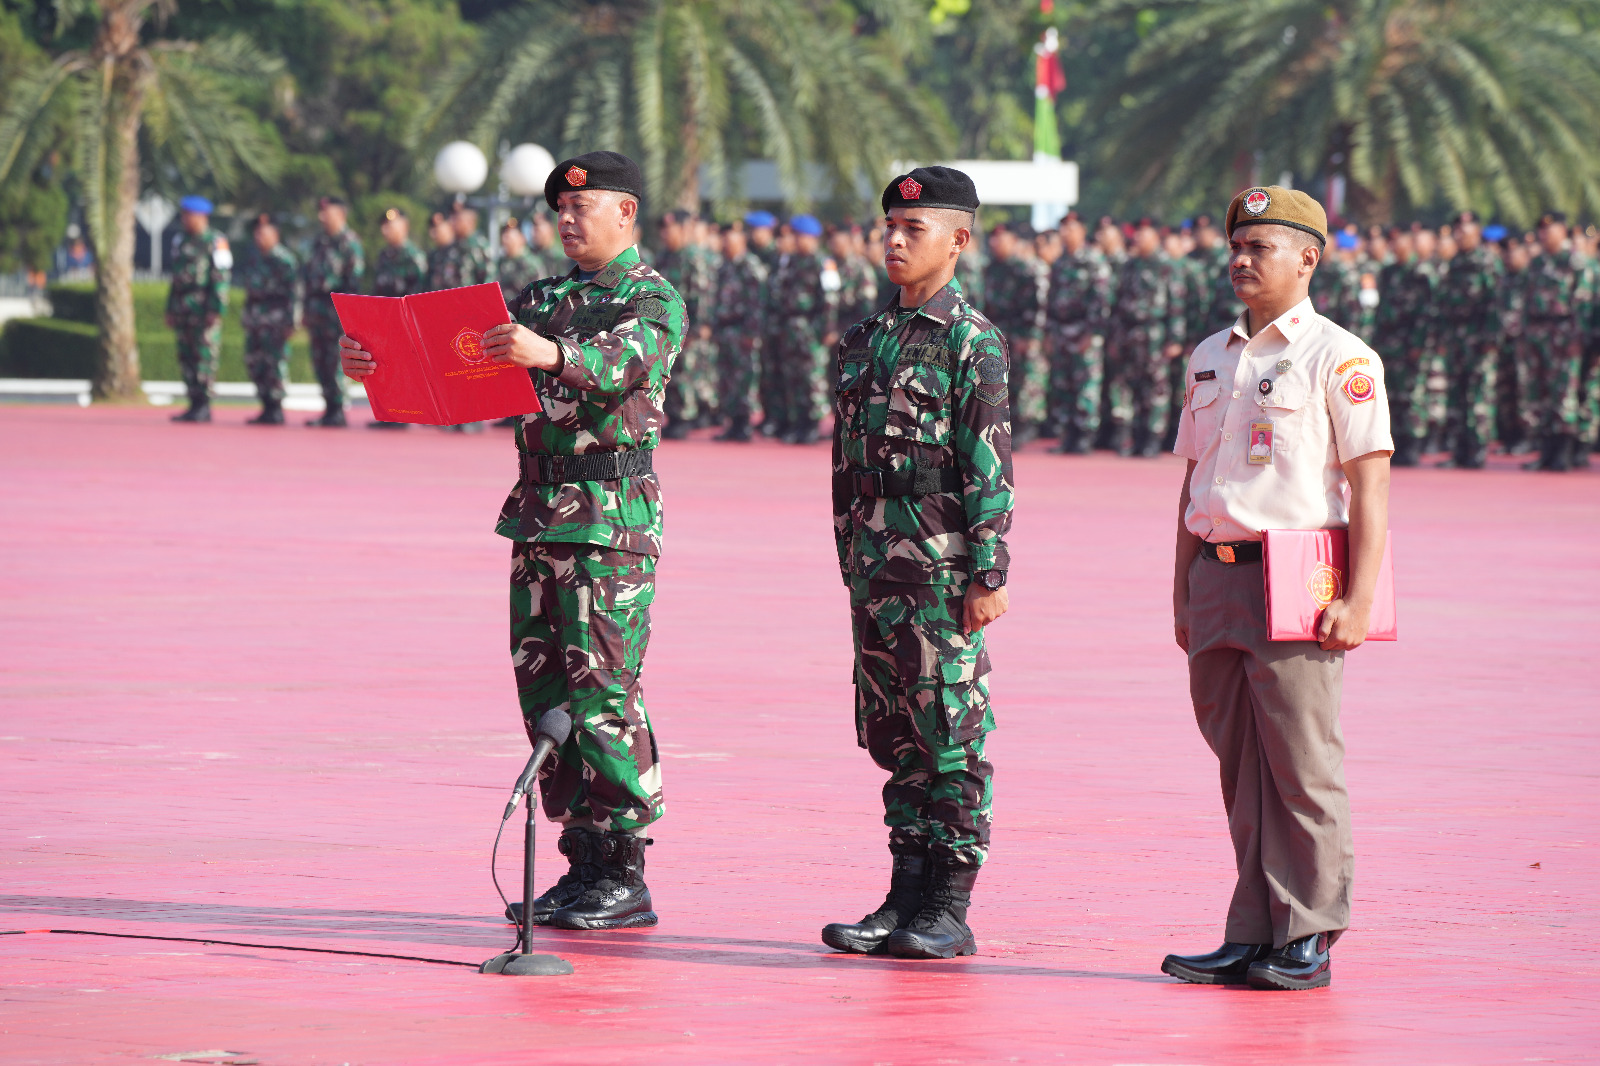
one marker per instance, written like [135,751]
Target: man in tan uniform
[1286,426]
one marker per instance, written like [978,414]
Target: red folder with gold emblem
[1307,569]
[429,349]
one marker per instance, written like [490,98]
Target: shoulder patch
[651,306]
[1359,389]
[1359,360]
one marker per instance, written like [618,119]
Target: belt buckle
[1225,554]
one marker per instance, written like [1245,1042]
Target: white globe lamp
[460,167]
[525,168]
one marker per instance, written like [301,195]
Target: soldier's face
[266,237]
[332,218]
[1073,235]
[1146,240]
[595,224]
[1553,237]
[1269,263]
[919,242]
[512,241]
[806,244]
[673,235]
[1426,244]
[1468,236]
[465,223]
[761,236]
[195,222]
[395,231]
[733,243]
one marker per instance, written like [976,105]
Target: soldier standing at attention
[399,269]
[446,259]
[336,263]
[1147,329]
[692,275]
[1403,296]
[922,499]
[519,265]
[760,229]
[1080,296]
[1270,710]
[858,282]
[741,295]
[585,525]
[200,262]
[1513,416]
[1467,294]
[1559,294]
[270,282]
[1015,285]
[475,266]
[803,308]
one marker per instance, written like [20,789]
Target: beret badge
[577,177]
[911,189]
[1257,202]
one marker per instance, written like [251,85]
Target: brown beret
[1281,207]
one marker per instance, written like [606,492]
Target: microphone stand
[521,961]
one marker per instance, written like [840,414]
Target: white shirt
[1324,404]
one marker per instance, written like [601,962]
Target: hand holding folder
[1307,569]
[432,369]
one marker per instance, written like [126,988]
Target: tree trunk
[119,377]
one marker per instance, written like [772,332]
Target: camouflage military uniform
[448,266]
[1402,333]
[399,270]
[1149,314]
[584,552]
[1015,291]
[1515,425]
[476,269]
[923,391]
[1559,293]
[741,294]
[1336,290]
[269,281]
[1466,294]
[1079,299]
[199,294]
[691,393]
[801,312]
[858,292]
[335,264]
[517,272]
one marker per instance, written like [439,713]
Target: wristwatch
[990,579]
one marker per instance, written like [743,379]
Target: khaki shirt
[1270,420]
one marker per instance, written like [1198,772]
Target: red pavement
[255,689]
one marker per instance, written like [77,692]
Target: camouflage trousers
[922,711]
[799,361]
[580,624]
[1027,381]
[325,358]
[1510,410]
[738,350]
[1077,369]
[199,347]
[1551,355]
[1474,377]
[266,358]
[1407,383]
[1140,392]
[691,391]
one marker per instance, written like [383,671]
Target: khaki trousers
[1270,712]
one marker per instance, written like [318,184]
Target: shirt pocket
[1205,410]
[849,392]
[1285,407]
[918,404]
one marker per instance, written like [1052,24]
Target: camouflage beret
[594,170]
[1280,207]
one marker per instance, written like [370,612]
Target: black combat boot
[804,433]
[1295,967]
[1228,965]
[939,930]
[738,430]
[618,898]
[271,414]
[199,410]
[870,936]
[582,849]
[332,418]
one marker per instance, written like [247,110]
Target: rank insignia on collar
[577,177]
[911,189]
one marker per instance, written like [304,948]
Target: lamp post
[460,168]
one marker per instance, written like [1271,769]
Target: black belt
[593,466]
[916,481]
[1240,551]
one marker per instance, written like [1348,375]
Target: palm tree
[1484,104]
[692,83]
[132,93]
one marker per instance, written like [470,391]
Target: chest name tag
[1261,443]
[592,319]
[1205,375]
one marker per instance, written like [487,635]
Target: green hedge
[73,303]
[48,348]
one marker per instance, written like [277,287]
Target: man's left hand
[512,342]
[1343,626]
[982,606]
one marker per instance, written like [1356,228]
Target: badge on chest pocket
[1261,443]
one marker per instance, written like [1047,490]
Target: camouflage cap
[1280,207]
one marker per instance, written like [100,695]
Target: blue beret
[760,219]
[198,204]
[1346,241]
[806,224]
[1494,233]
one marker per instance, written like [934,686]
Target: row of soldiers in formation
[1485,336]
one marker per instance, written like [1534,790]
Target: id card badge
[1260,443]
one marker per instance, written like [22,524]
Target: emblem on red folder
[911,189]
[577,177]
[1325,585]
[469,346]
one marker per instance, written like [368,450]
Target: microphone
[552,732]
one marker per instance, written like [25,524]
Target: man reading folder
[437,368]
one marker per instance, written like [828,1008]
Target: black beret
[594,170]
[940,187]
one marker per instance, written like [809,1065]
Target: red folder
[1307,569]
[429,351]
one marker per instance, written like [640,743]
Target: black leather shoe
[1228,965]
[582,849]
[1295,967]
[618,899]
[737,431]
[939,930]
[870,936]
